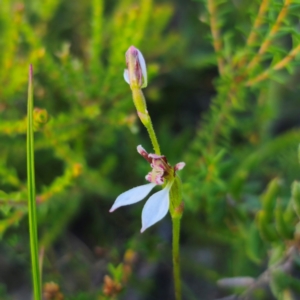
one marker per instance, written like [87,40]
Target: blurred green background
[235,137]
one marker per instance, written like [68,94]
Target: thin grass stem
[31,194]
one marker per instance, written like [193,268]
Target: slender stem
[258,22]
[31,194]
[141,107]
[252,38]
[153,137]
[176,257]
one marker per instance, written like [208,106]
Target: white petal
[143,67]
[156,208]
[126,76]
[132,196]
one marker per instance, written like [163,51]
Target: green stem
[31,194]
[176,257]
[153,137]
[140,105]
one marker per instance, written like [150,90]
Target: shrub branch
[267,42]
[217,41]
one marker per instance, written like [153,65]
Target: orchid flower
[136,73]
[157,205]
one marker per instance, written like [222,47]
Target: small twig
[267,42]
[217,42]
[253,34]
[257,23]
[235,282]
[280,65]
[263,281]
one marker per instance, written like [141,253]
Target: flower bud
[136,72]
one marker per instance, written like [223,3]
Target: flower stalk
[138,98]
[176,256]
[176,210]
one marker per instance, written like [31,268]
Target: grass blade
[31,193]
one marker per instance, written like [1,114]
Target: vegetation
[223,97]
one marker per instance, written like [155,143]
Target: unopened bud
[136,72]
